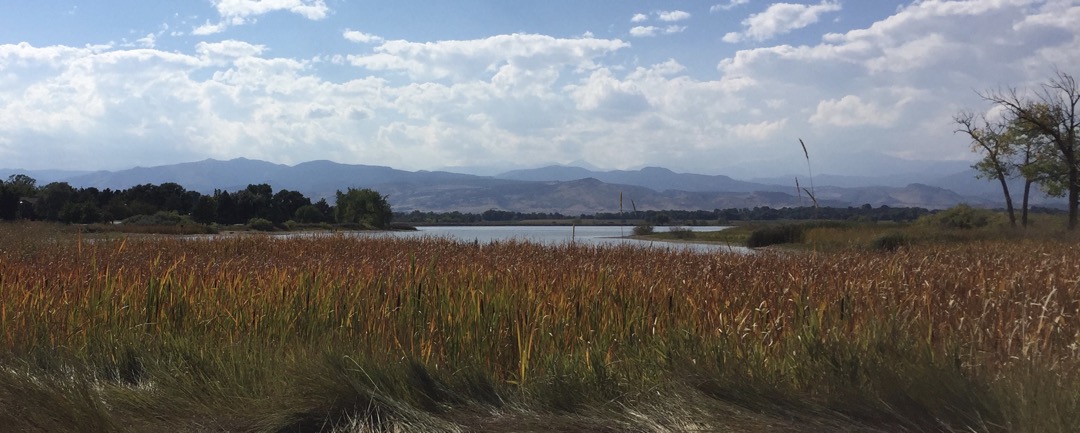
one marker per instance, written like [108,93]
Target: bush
[960,216]
[890,241]
[309,214]
[402,226]
[260,224]
[681,233]
[776,234]
[643,229]
[160,219]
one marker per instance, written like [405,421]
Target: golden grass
[853,332]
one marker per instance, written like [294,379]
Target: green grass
[840,235]
[736,235]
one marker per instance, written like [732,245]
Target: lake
[597,235]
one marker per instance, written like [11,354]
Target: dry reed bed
[519,313]
[440,301]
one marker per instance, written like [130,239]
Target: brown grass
[981,335]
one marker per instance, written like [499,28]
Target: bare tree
[1052,112]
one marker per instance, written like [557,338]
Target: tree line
[22,198]
[684,217]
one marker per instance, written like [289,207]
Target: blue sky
[717,87]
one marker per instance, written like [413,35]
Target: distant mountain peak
[655,178]
[565,189]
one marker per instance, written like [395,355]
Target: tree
[172,197]
[254,202]
[17,188]
[326,210]
[52,199]
[79,213]
[22,185]
[116,209]
[363,206]
[286,203]
[9,202]
[991,140]
[309,214]
[1036,162]
[204,211]
[1052,111]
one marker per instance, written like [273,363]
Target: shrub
[643,229]
[402,226]
[160,219]
[351,226]
[260,224]
[681,232]
[890,241]
[309,214]
[775,234]
[960,216]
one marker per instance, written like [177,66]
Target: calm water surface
[563,234]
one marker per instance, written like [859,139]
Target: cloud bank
[529,99]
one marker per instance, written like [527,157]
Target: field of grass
[342,333]
[827,236]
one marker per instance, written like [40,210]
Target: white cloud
[361,37]
[147,41]
[672,16]
[638,18]
[915,54]
[650,31]
[781,18]
[909,73]
[603,92]
[760,131]
[310,9]
[240,12]
[468,59]
[227,49]
[643,31]
[209,29]
[851,110]
[672,29]
[731,4]
[229,100]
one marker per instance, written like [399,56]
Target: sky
[702,86]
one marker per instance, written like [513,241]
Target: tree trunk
[1008,200]
[1024,212]
[1074,193]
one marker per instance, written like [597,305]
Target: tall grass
[306,334]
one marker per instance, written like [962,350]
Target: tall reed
[935,337]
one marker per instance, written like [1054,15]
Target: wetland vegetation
[336,333]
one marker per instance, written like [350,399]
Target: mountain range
[567,190]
